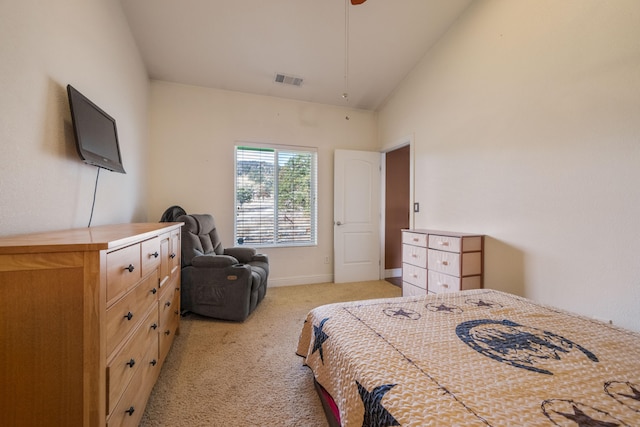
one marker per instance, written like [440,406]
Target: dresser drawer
[444,243]
[175,254]
[169,308]
[441,283]
[414,255]
[167,336]
[169,302]
[409,290]
[126,362]
[415,239]
[415,275]
[123,270]
[444,262]
[128,312]
[150,254]
[465,264]
[129,410]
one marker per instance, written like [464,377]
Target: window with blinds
[275,196]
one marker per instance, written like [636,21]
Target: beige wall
[526,122]
[193,132]
[45,46]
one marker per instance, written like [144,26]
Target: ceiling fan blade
[354,2]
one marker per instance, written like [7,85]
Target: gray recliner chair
[224,283]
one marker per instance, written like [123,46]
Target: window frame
[313,181]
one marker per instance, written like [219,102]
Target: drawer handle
[414,256]
[155,254]
[415,276]
[130,268]
[128,316]
[167,332]
[168,303]
[172,256]
[443,262]
[130,411]
[443,285]
[415,239]
[131,363]
[154,362]
[443,243]
[154,291]
[154,326]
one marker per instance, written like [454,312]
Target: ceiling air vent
[288,80]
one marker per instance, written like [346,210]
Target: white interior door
[356,217]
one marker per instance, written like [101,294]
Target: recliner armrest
[241,253]
[260,258]
[213,261]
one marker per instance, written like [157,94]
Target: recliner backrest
[172,214]
[199,237]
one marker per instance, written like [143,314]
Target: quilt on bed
[472,358]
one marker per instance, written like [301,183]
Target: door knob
[338,223]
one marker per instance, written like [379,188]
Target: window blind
[276,191]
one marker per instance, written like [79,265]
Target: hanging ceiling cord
[345,94]
[95,190]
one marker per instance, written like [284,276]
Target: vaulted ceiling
[241,45]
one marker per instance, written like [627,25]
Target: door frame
[400,143]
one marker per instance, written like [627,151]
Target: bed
[471,358]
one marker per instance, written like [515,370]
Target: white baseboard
[393,272]
[300,280]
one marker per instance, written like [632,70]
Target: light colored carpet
[247,374]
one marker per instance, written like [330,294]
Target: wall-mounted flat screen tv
[96,133]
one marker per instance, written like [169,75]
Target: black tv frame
[85,115]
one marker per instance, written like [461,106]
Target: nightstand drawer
[414,255]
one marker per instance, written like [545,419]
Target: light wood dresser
[88,318]
[441,261]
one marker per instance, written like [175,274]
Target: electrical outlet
[327,260]
[416,207]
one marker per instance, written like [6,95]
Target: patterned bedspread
[473,358]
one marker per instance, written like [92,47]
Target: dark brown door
[397,202]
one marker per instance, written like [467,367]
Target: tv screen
[95,132]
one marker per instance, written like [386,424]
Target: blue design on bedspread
[558,411]
[401,313]
[376,415]
[625,392]
[432,360]
[320,338]
[515,344]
